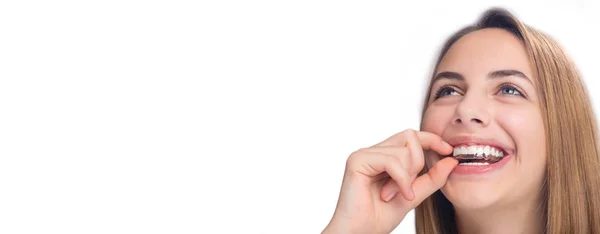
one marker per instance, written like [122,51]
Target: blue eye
[509,90]
[444,91]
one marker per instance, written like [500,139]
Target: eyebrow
[491,75]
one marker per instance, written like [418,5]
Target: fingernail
[389,197]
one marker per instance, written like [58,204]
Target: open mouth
[478,155]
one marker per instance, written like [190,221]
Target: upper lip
[476,140]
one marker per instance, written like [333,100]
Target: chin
[471,187]
[481,190]
[471,195]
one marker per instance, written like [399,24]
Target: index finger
[428,141]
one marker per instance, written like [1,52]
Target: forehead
[480,52]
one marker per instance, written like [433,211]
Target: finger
[391,187]
[427,140]
[433,180]
[412,155]
[414,144]
[389,190]
[403,180]
[372,164]
[430,141]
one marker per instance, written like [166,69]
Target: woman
[507,144]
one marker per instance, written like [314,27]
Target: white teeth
[495,152]
[474,163]
[479,151]
[472,150]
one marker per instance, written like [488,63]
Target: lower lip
[470,169]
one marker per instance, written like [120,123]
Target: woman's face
[484,95]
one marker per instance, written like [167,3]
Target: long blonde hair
[571,190]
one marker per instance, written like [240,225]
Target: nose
[472,111]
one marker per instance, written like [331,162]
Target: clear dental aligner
[483,152]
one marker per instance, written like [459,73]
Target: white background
[218,116]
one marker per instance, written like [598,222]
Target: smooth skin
[381,186]
[504,107]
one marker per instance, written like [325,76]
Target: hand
[380,184]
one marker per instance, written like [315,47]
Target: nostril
[473,120]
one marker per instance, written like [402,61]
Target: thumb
[436,177]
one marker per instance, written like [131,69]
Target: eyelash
[440,90]
[500,88]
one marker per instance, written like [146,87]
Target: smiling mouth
[478,155]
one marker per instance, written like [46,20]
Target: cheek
[523,124]
[526,127]
[436,119]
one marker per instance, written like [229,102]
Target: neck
[526,217]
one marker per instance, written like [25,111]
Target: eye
[444,91]
[509,89]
